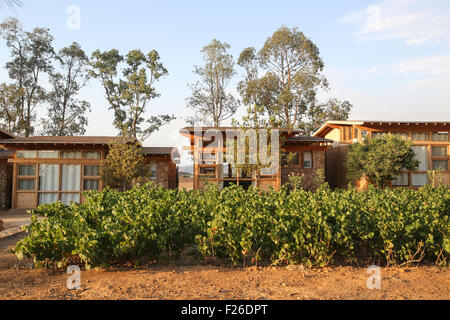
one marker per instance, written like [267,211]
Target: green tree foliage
[380,159]
[130,95]
[210,100]
[281,83]
[9,96]
[66,114]
[32,55]
[124,164]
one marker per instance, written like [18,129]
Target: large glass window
[401,180]
[91,185]
[400,134]
[26,154]
[439,151]
[378,134]
[440,165]
[91,155]
[27,170]
[49,177]
[46,198]
[419,179]
[421,155]
[420,136]
[43,154]
[70,155]
[91,171]
[70,180]
[67,198]
[439,136]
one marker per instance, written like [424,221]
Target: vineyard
[381,226]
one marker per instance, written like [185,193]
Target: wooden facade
[208,154]
[49,169]
[430,139]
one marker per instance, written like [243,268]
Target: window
[401,180]
[70,155]
[91,185]
[439,151]
[47,154]
[49,177]
[290,159]
[91,155]
[419,179]
[307,159]
[440,165]
[27,170]
[26,154]
[378,134]
[70,180]
[153,170]
[421,155]
[91,171]
[346,133]
[46,198]
[439,136]
[400,134]
[25,184]
[420,136]
[67,198]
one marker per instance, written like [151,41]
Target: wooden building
[53,168]
[430,139]
[208,147]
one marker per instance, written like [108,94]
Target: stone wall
[309,174]
[5,185]
[162,173]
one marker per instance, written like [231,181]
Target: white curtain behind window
[420,179]
[48,177]
[46,198]
[66,198]
[401,180]
[48,181]
[421,155]
[71,177]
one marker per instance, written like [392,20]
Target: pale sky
[390,59]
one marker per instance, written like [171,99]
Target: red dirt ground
[19,280]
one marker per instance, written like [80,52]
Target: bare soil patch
[19,280]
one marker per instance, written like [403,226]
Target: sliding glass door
[70,183]
[48,183]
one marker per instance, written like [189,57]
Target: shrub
[383,226]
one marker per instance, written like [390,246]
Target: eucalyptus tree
[66,114]
[282,80]
[210,100]
[129,89]
[11,4]
[8,107]
[32,54]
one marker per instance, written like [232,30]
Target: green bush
[383,226]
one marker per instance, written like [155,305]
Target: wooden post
[14,187]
